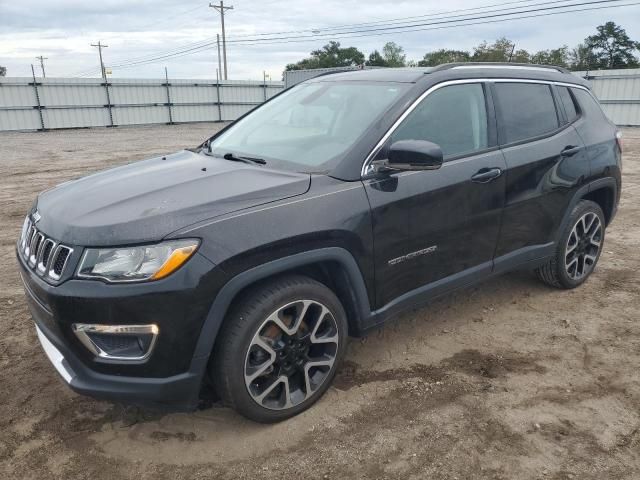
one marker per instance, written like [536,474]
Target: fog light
[118,342]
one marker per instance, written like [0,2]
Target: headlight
[130,264]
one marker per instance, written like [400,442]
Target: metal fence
[293,77]
[41,104]
[618,92]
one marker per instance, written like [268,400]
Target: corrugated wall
[87,102]
[293,77]
[618,92]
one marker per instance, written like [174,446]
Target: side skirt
[522,259]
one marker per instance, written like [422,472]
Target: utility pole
[219,58]
[221,8]
[100,47]
[42,59]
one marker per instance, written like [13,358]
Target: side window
[588,104]
[453,117]
[567,102]
[526,109]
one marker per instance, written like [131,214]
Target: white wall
[87,102]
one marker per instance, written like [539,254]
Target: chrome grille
[42,254]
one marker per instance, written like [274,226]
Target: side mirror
[411,155]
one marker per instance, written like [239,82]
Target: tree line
[610,47]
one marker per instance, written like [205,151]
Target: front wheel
[578,248]
[279,349]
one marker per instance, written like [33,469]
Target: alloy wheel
[583,246]
[291,355]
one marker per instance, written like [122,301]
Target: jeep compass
[244,264]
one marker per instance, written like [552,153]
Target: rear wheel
[578,249]
[279,349]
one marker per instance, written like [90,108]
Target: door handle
[485,175]
[570,151]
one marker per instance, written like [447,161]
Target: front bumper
[171,376]
[178,392]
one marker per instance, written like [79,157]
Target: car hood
[147,200]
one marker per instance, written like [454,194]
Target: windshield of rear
[309,126]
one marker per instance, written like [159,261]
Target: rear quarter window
[526,110]
[567,102]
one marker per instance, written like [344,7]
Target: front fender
[227,293]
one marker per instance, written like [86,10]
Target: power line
[201,46]
[122,58]
[422,29]
[393,28]
[449,26]
[83,73]
[210,41]
[147,56]
[179,54]
[394,20]
[166,19]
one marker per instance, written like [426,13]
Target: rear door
[437,224]
[545,164]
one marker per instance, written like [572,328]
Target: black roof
[452,71]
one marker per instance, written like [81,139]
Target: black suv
[245,263]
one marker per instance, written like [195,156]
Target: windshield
[309,126]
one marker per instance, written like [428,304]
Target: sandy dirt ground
[506,380]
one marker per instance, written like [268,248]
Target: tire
[292,327]
[578,248]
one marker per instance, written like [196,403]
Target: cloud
[63,31]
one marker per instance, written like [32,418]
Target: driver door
[437,228]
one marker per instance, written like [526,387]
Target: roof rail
[330,73]
[525,66]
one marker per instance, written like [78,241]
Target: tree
[331,55]
[612,47]
[376,60]
[3,71]
[393,55]
[500,51]
[557,56]
[520,56]
[444,55]
[582,58]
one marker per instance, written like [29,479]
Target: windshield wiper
[238,158]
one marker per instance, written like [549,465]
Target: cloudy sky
[136,31]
